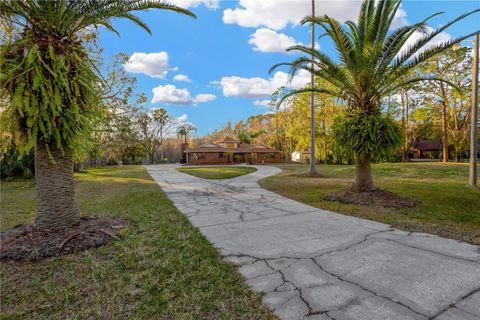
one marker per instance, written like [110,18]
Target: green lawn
[217,172]
[162,268]
[446,205]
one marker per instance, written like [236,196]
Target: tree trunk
[445,133]
[444,123]
[152,157]
[363,175]
[55,188]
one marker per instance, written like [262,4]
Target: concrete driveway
[315,264]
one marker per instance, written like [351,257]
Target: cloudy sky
[215,68]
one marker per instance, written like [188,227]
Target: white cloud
[440,38]
[257,87]
[262,103]
[173,95]
[204,97]
[210,4]
[277,15]
[154,65]
[182,77]
[182,119]
[267,40]
[400,19]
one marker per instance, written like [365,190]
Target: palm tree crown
[374,61]
[47,72]
[185,129]
[64,18]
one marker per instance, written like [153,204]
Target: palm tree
[184,131]
[373,63]
[164,123]
[53,89]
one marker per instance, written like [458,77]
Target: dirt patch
[377,198]
[28,243]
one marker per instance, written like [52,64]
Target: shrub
[358,134]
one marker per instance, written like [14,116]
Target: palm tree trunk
[55,188]
[363,175]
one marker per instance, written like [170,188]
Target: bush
[237,158]
[357,134]
[13,166]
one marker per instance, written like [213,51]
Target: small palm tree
[373,63]
[53,89]
[184,131]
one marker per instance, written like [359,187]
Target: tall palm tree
[184,131]
[53,89]
[164,123]
[373,63]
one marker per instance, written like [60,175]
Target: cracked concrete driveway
[315,264]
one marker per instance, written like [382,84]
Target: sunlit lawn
[162,268]
[217,172]
[446,205]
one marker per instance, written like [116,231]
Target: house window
[221,155]
[198,156]
[270,155]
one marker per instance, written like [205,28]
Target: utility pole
[474,118]
[313,160]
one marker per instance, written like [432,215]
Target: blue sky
[226,52]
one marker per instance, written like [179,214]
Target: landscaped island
[217,172]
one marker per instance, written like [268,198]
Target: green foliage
[185,130]
[52,93]
[11,166]
[361,135]
[51,86]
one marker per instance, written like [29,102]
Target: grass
[162,268]
[217,172]
[446,205]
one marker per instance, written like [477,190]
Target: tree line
[426,111]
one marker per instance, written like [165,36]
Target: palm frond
[305,90]
[412,50]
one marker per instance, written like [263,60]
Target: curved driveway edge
[315,264]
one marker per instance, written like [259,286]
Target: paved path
[315,264]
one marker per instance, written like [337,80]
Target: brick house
[426,149]
[229,150]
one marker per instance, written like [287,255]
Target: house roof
[427,145]
[242,148]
